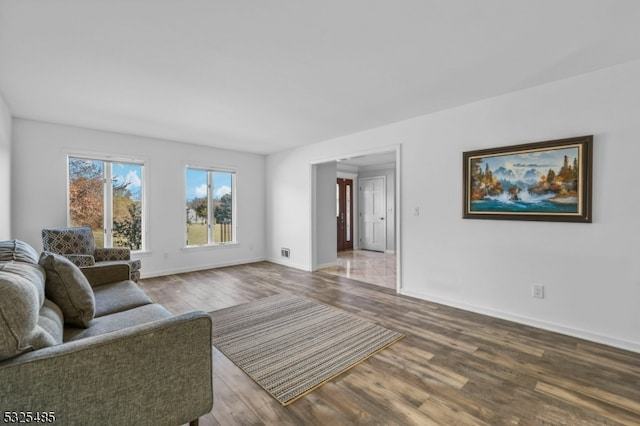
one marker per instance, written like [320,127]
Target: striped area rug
[290,345]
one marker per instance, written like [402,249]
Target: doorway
[344,214]
[325,215]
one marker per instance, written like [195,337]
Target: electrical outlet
[537,291]
[285,252]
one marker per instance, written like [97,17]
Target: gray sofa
[88,346]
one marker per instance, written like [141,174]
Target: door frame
[398,204]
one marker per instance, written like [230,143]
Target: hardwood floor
[452,368]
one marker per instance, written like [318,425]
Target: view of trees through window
[114,212]
[209,207]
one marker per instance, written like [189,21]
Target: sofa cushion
[114,322]
[18,251]
[51,320]
[134,264]
[68,288]
[33,273]
[117,297]
[19,308]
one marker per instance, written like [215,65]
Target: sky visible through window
[196,181]
[197,184]
[129,172]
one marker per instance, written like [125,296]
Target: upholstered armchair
[77,245]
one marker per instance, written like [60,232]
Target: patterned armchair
[77,245]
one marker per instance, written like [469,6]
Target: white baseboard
[557,328]
[173,271]
[326,265]
[288,263]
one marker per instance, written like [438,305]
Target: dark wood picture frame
[539,181]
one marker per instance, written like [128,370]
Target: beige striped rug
[290,345]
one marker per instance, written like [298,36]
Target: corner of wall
[5,169]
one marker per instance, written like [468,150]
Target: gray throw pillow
[18,251]
[68,288]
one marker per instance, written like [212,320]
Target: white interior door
[373,212]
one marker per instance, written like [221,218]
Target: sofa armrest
[81,260]
[111,253]
[154,373]
[105,274]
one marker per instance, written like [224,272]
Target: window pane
[126,184]
[197,207]
[223,207]
[86,196]
[116,208]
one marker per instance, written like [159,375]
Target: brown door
[345,214]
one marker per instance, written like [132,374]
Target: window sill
[207,247]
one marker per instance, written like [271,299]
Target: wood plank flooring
[452,368]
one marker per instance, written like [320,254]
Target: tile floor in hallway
[367,266]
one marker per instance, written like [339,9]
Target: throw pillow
[18,251]
[68,288]
[19,329]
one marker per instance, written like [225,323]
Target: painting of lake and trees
[539,179]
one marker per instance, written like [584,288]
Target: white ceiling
[263,76]
[361,162]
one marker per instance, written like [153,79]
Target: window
[107,196]
[210,210]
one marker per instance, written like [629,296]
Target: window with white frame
[107,196]
[210,206]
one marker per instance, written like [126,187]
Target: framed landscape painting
[542,181]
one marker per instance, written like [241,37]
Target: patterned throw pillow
[68,240]
[68,288]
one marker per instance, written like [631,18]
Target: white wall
[288,208]
[39,191]
[591,271]
[5,170]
